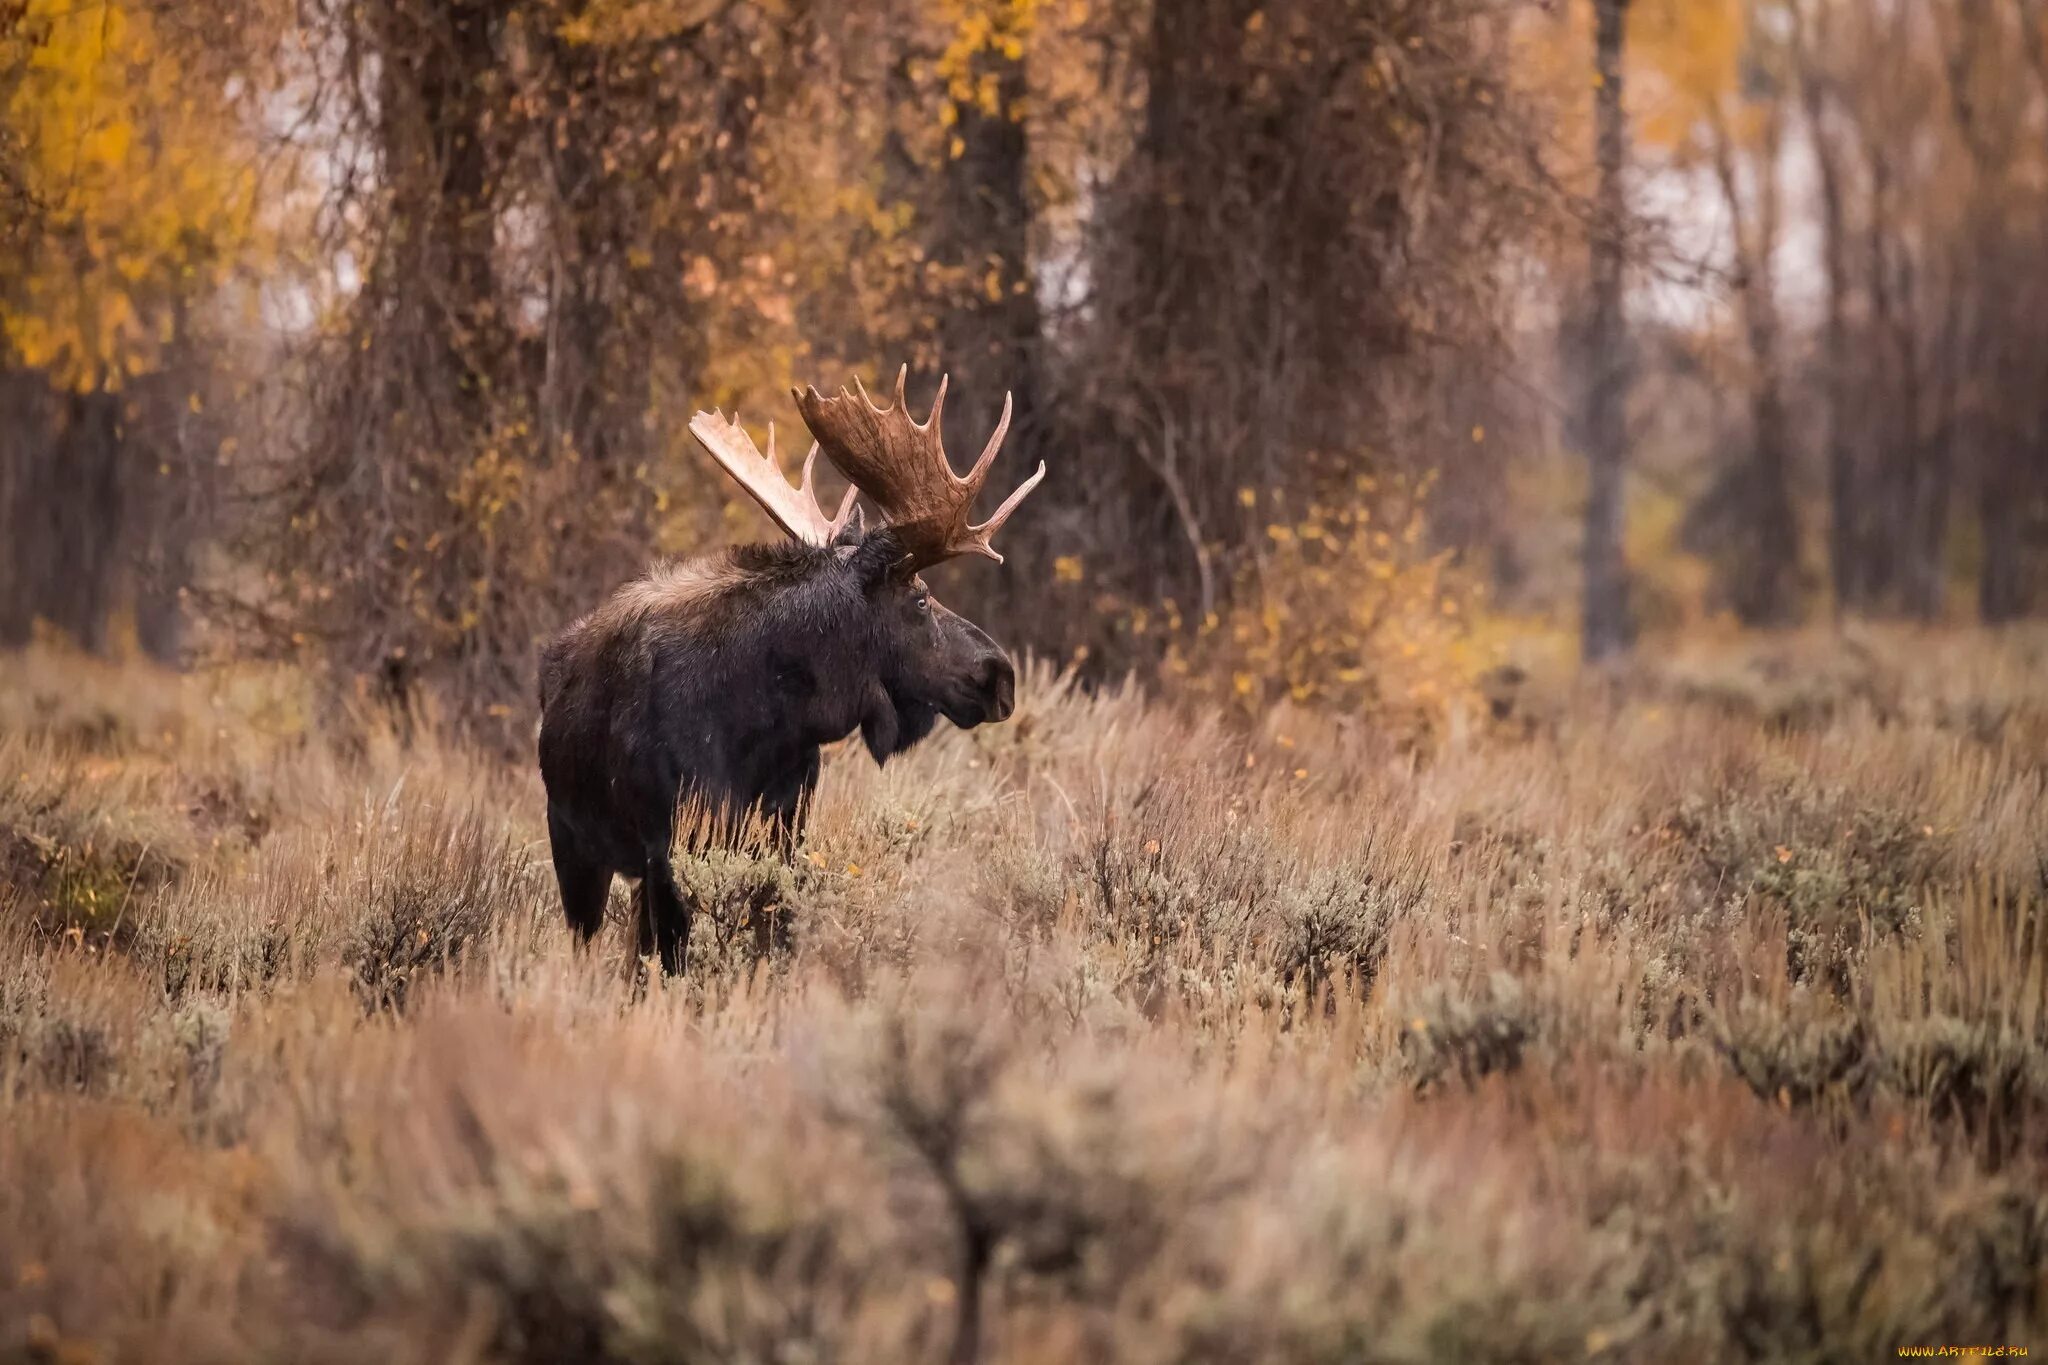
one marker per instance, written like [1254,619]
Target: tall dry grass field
[1699,1016]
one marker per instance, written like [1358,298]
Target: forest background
[1371,346]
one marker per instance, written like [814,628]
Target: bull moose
[713,682]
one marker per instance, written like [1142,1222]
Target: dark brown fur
[715,681]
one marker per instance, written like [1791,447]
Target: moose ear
[850,535]
[877,557]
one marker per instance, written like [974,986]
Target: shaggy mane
[676,589]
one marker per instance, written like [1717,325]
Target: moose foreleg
[666,909]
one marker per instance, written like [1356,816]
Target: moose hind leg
[667,910]
[584,882]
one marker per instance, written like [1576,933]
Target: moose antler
[901,464]
[795,510]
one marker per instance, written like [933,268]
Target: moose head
[925,660]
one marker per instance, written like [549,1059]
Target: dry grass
[1702,1017]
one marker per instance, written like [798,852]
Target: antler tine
[978,475]
[931,422]
[810,462]
[986,532]
[760,476]
[900,464]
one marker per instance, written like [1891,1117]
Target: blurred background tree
[132,205]
[1359,335]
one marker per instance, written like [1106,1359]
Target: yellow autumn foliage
[1686,58]
[618,23]
[1350,611]
[1683,59]
[146,190]
[999,28]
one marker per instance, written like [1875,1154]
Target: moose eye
[923,602]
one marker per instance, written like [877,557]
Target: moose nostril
[996,674]
[999,685]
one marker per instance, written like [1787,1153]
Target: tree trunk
[1766,564]
[989,340]
[1896,428]
[1606,626]
[439,60]
[21,442]
[2015,486]
[2001,580]
[66,496]
[1764,592]
[1844,530]
[579,397]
